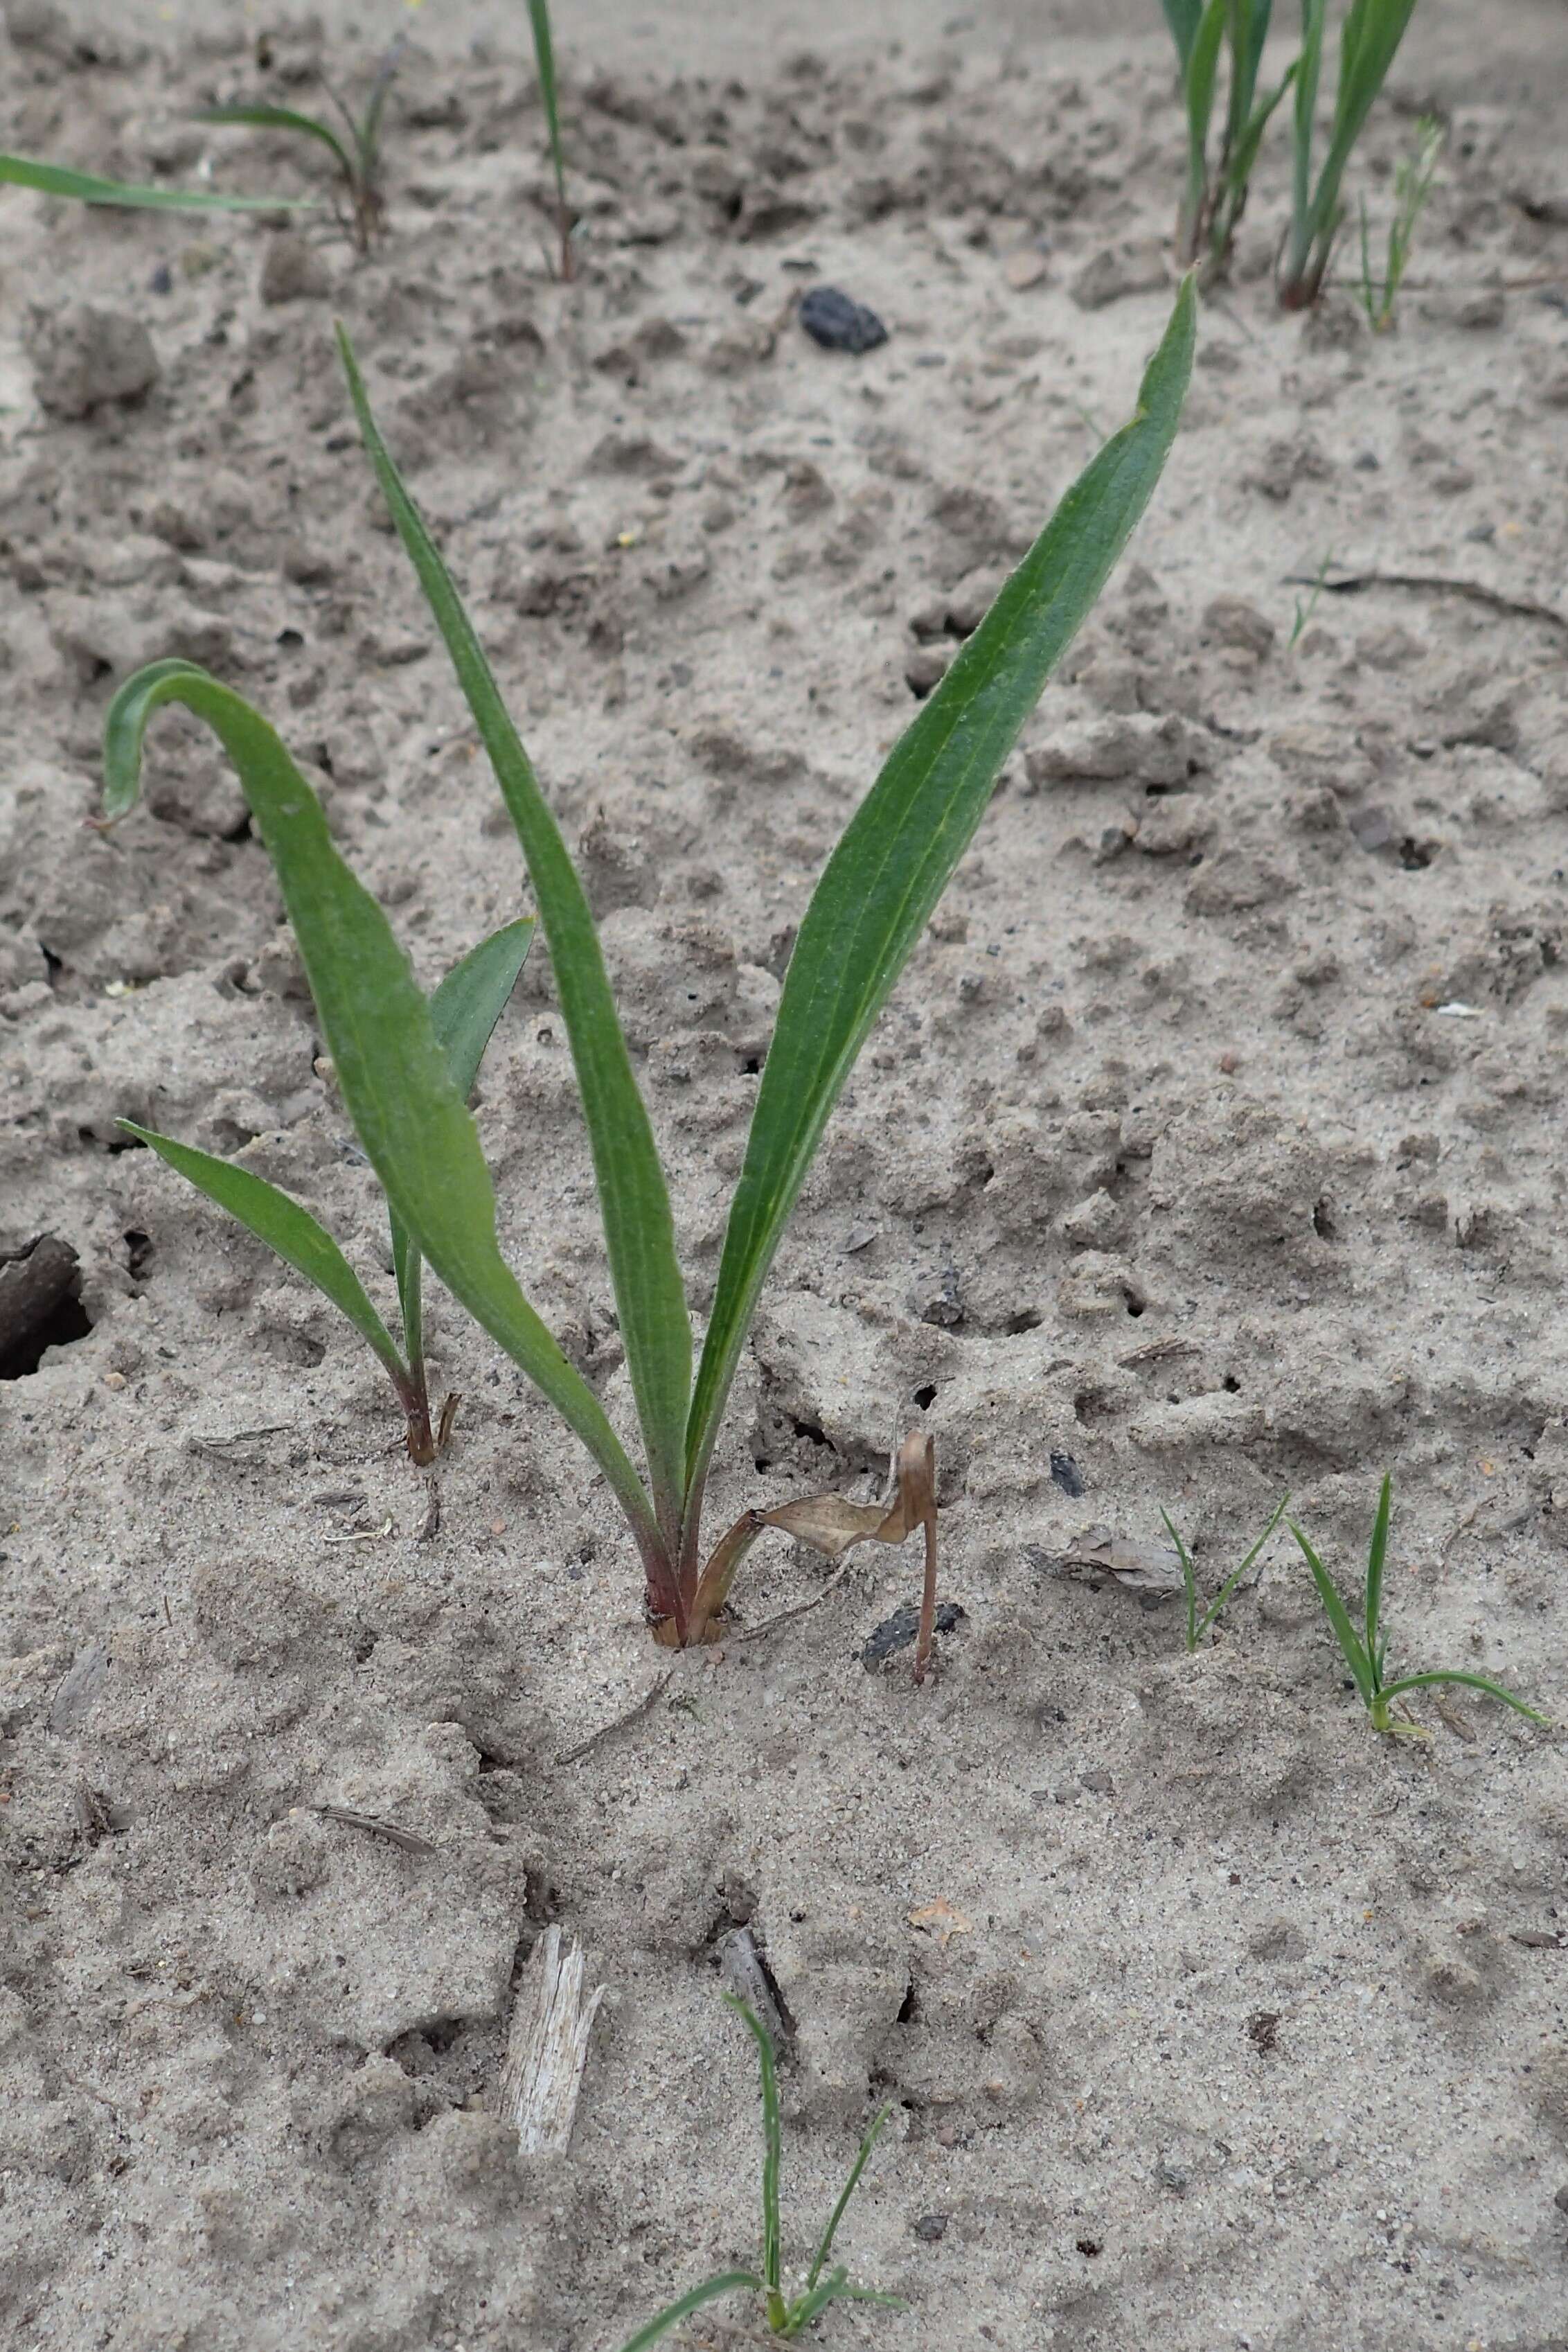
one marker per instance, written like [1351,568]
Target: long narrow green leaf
[772,2146]
[414,1126]
[899,849]
[1368,43]
[1377,1553]
[1338,1616]
[57,180]
[1234,1579]
[639,1229]
[863,2158]
[283,118]
[1472,1682]
[284,1227]
[544,54]
[727,2282]
[464,1012]
[1309,65]
[1182,17]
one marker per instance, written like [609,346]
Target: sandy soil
[1211,1145]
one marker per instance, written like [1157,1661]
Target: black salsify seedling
[870,907]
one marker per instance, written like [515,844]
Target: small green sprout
[1413,177]
[1307,606]
[464,1012]
[1197,1627]
[358,156]
[544,54]
[1216,195]
[1364,1653]
[869,910]
[1369,38]
[60,180]
[786,2315]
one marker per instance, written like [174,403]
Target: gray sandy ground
[1211,1145]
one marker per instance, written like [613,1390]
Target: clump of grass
[544,57]
[1215,192]
[1365,1652]
[358,155]
[870,907]
[786,2315]
[1369,39]
[1196,1627]
[86,188]
[464,1012]
[1413,177]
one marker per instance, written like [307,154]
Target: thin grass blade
[283,118]
[1234,1579]
[837,2288]
[1189,1577]
[544,56]
[639,1229]
[57,180]
[899,850]
[772,2144]
[727,2282]
[1472,1682]
[416,1129]
[1368,43]
[1249,24]
[1338,1616]
[287,1228]
[825,2248]
[464,1012]
[1309,66]
[1377,1553]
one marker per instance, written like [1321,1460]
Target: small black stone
[831,319]
[1067,1473]
[931,2226]
[897,1632]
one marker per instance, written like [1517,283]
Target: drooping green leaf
[1346,1635]
[727,2282]
[259,117]
[57,180]
[639,1229]
[284,1227]
[1472,1682]
[416,1129]
[463,1010]
[890,868]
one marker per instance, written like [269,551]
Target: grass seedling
[1413,177]
[786,2315]
[1307,606]
[544,55]
[1369,38]
[1216,195]
[358,156]
[1364,1653]
[59,180]
[871,905]
[1196,1627]
[464,1012]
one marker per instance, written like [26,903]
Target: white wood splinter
[547,2049]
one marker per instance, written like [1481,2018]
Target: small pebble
[831,319]
[897,1632]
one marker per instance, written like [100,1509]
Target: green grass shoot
[1365,1652]
[870,908]
[1413,177]
[357,152]
[1215,192]
[544,56]
[464,1012]
[86,188]
[1369,39]
[1196,1627]
[1308,605]
[786,2314]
